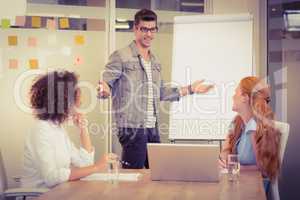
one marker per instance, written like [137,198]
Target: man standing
[133,78]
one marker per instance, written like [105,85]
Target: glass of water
[113,169]
[233,167]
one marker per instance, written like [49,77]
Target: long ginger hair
[267,138]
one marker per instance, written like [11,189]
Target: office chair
[284,128]
[13,193]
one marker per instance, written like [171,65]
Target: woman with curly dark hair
[50,157]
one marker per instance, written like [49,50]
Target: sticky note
[20,21]
[51,24]
[32,41]
[12,40]
[64,23]
[5,23]
[66,51]
[95,25]
[79,39]
[36,22]
[33,64]
[78,60]
[13,64]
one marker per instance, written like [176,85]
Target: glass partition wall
[283,73]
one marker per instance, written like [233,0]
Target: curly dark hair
[53,95]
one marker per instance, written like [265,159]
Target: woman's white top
[49,155]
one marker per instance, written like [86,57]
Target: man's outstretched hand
[103,89]
[200,88]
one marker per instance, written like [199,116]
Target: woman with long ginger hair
[253,135]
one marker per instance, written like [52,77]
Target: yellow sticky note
[64,23]
[13,64]
[79,40]
[5,23]
[12,40]
[36,22]
[33,64]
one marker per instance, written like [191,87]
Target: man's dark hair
[144,15]
[53,95]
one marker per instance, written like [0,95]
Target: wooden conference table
[248,186]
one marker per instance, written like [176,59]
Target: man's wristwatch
[190,89]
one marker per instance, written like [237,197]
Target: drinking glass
[113,169]
[233,167]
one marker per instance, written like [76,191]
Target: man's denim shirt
[125,75]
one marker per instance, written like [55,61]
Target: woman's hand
[101,164]
[80,120]
[222,163]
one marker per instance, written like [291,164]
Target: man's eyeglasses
[145,29]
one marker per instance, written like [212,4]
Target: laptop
[183,162]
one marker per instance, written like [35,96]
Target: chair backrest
[3,178]
[284,129]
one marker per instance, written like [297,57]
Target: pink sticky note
[20,20]
[32,41]
[78,60]
[13,64]
[51,24]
